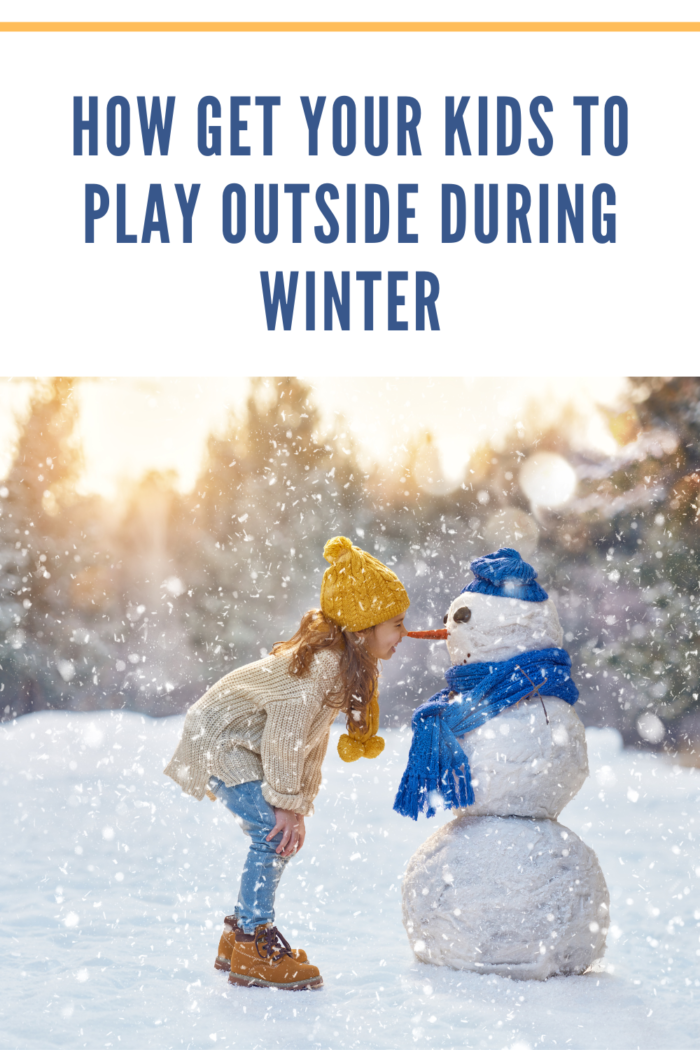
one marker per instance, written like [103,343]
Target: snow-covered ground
[114,886]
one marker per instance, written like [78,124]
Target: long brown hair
[358,668]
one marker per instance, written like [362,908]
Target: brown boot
[223,958]
[264,959]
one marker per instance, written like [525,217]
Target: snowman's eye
[444,619]
[462,615]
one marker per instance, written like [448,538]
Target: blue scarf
[436,761]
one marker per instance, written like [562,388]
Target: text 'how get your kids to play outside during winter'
[324,212]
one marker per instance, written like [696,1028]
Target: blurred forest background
[144,604]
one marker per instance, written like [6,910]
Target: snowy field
[115,885]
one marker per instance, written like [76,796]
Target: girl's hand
[293,831]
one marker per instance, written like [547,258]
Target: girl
[257,738]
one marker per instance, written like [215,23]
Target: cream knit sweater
[260,723]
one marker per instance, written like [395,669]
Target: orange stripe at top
[349,27]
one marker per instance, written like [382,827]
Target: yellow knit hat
[357,591]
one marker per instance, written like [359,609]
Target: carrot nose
[442,633]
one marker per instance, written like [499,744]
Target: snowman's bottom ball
[510,896]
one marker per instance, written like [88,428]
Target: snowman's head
[502,613]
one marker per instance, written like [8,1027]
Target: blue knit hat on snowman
[504,574]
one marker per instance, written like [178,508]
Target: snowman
[503,888]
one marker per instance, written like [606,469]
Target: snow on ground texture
[114,887]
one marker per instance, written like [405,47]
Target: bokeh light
[547,479]
[651,728]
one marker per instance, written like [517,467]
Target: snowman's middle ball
[523,767]
[521,764]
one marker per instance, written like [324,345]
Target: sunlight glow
[547,479]
[128,427]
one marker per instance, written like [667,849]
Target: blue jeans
[263,867]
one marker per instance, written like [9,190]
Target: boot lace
[274,945]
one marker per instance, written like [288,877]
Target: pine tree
[49,579]
[271,491]
[658,658]
[622,560]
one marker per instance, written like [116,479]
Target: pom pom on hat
[504,574]
[350,749]
[357,590]
[336,547]
[358,743]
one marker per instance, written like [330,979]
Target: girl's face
[382,640]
